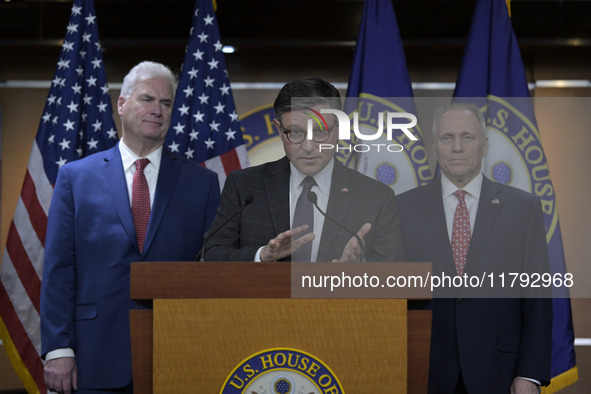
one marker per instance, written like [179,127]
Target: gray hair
[143,71]
[458,107]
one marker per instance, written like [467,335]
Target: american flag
[77,121]
[204,125]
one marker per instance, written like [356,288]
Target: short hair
[143,71]
[313,91]
[457,106]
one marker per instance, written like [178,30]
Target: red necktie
[460,238]
[140,202]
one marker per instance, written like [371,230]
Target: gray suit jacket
[354,199]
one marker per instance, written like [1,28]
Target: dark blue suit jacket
[90,244]
[355,199]
[491,340]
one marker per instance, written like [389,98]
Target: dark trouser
[460,387]
[124,390]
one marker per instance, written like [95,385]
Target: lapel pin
[496,201]
[345,189]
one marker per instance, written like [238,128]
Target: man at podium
[305,206]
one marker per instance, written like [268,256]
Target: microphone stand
[314,199]
[247,200]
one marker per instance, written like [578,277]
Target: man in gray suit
[466,224]
[269,229]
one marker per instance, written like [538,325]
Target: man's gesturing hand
[285,244]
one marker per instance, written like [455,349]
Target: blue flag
[77,121]
[379,82]
[204,125]
[492,70]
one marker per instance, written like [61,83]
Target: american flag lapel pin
[345,189]
[495,201]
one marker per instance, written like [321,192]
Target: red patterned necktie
[460,238]
[140,202]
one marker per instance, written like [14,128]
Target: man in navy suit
[92,237]
[266,229]
[479,345]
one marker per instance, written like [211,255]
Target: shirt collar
[323,178]
[129,158]
[472,188]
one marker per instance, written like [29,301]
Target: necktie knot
[141,164]
[460,194]
[308,183]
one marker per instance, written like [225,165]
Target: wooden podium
[209,317]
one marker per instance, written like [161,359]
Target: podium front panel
[198,343]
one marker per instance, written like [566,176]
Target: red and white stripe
[21,272]
[234,159]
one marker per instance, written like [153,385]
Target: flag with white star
[204,125]
[77,121]
[78,117]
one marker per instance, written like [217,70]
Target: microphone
[247,200]
[314,199]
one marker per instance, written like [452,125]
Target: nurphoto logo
[403,121]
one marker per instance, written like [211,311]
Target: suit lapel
[342,193]
[167,176]
[432,205]
[277,193]
[489,206]
[115,181]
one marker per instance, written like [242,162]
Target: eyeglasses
[297,136]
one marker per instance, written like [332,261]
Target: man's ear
[120,103]
[277,126]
